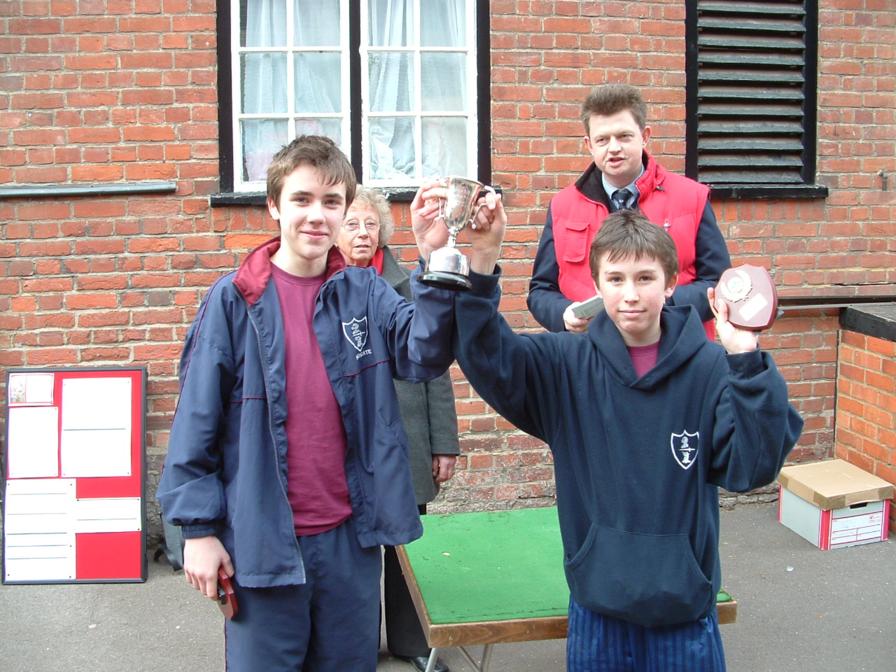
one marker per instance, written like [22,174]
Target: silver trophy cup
[447,267]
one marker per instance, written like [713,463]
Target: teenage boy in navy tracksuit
[287,461]
[646,419]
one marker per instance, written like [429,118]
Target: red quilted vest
[666,199]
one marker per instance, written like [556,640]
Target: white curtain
[444,87]
[318,77]
[392,88]
[391,23]
[391,81]
[264,76]
[263,80]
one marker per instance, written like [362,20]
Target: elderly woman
[427,411]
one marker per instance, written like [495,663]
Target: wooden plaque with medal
[750,294]
[226,595]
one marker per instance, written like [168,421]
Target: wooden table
[493,577]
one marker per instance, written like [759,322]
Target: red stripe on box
[108,555]
[824,541]
[886,525]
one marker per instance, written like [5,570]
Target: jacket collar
[254,273]
[591,186]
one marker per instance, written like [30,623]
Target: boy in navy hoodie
[287,462]
[646,419]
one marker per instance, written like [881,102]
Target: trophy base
[446,280]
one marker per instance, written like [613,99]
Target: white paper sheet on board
[33,442]
[31,388]
[95,453]
[108,514]
[96,427]
[96,403]
[38,532]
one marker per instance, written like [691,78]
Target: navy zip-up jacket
[637,461]
[225,473]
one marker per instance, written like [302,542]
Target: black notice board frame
[108,556]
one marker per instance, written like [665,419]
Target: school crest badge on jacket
[685,447]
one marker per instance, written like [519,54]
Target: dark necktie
[620,199]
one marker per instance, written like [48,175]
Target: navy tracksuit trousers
[329,624]
[597,643]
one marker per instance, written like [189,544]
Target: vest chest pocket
[574,241]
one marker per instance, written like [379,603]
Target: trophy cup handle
[489,189]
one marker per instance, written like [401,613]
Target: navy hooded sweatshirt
[637,461]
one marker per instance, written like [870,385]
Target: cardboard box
[834,504]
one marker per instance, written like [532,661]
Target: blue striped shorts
[597,643]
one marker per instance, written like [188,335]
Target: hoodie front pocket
[648,579]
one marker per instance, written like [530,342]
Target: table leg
[486,658]
[431,663]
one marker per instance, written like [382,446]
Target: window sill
[768,191]
[234,198]
[106,189]
[240,198]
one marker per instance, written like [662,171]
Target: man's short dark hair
[311,150]
[609,99]
[627,234]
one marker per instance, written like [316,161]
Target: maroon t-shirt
[644,357]
[315,454]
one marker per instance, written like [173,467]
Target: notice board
[74,500]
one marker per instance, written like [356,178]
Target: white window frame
[349,100]
[290,115]
[417,112]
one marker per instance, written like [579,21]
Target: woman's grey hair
[374,199]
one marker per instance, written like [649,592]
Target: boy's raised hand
[734,340]
[487,233]
[429,234]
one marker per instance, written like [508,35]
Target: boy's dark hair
[609,99]
[629,234]
[319,152]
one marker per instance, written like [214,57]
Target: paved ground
[800,609]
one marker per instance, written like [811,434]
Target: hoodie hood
[678,344]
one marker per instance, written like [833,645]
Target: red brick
[90,301]
[51,357]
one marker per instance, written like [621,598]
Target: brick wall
[866,406]
[109,91]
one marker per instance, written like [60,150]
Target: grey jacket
[427,409]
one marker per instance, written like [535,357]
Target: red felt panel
[108,555]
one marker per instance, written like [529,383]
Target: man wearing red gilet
[623,175]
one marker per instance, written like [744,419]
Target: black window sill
[105,189]
[232,198]
[768,191]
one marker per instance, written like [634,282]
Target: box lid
[834,484]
